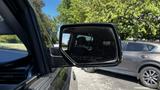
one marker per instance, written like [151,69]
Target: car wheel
[90,70]
[149,76]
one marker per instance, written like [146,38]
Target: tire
[90,70]
[149,76]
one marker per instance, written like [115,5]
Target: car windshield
[136,21]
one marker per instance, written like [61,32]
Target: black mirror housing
[90,45]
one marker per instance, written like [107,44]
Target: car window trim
[30,36]
[13,23]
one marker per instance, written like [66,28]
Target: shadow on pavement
[119,76]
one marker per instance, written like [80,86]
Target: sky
[50,7]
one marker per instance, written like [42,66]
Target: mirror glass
[89,44]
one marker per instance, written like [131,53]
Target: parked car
[28,60]
[141,60]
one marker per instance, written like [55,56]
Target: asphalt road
[103,80]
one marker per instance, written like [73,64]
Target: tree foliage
[9,39]
[134,18]
[48,24]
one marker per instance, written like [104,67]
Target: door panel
[133,54]
[130,60]
[61,81]
[58,80]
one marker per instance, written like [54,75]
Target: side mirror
[88,45]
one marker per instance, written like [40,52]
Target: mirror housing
[90,45]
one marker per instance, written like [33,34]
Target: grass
[17,46]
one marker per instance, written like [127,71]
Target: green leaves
[48,24]
[135,18]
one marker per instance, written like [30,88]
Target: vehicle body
[137,55]
[40,66]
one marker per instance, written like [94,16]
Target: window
[88,38]
[11,48]
[150,47]
[11,42]
[157,49]
[135,20]
[65,41]
[46,23]
[84,41]
[135,47]
[123,44]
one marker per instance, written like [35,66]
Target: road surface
[103,80]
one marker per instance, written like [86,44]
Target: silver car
[141,60]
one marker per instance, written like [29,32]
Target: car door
[59,79]
[132,56]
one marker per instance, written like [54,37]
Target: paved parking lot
[103,80]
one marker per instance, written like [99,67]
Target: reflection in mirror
[89,44]
[65,41]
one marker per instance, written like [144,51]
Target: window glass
[135,47]
[123,44]
[150,47]
[88,38]
[157,49]
[46,23]
[84,41]
[65,41]
[134,19]
[11,48]
[11,42]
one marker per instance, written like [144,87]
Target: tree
[48,24]
[134,18]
